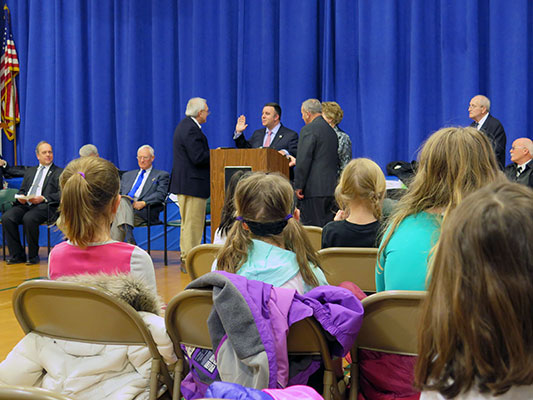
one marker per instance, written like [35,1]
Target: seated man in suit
[139,188]
[521,170]
[274,134]
[36,201]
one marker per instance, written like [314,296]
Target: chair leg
[3,242]
[48,237]
[178,374]
[165,235]
[149,236]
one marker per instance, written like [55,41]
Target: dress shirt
[39,184]
[196,122]
[272,135]
[140,188]
[482,121]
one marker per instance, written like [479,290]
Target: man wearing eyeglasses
[190,174]
[521,170]
[478,110]
[140,188]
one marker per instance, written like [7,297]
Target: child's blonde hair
[89,186]
[264,202]
[362,179]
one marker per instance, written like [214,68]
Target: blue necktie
[131,193]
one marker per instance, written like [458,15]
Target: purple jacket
[250,321]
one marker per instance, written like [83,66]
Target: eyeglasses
[207,112]
[517,147]
[144,158]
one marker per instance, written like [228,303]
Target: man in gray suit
[140,188]
[315,175]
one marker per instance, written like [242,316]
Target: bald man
[478,110]
[521,170]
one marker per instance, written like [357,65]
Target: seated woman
[267,243]
[359,194]
[476,331]
[453,163]
[89,200]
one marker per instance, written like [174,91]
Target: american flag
[9,69]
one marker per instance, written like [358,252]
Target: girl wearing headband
[267,243]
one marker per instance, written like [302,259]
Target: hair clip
[239,218]
[289,216]
[82,174]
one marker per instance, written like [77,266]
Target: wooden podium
[264,159]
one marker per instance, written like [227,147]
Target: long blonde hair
[89,187]
[476,327]
[266,200]
[361,180]
[454,162]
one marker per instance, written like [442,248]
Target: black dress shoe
[33,260]
[15,260]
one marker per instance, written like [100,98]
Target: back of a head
[194,106]
[332,111]
[477,323]
[89,186]
[312,106]
[88,150]
[362,180]
[228,209]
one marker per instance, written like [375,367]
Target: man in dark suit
[190,174]
[521,170]
[36,202]
[140,188]
[479,111]
[274,134]
[315,175]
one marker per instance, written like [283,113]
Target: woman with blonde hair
[267,242]
[476,332]
[89,201]
[360,195]
[333,114]
[453,162]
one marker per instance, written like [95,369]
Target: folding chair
[354,264]
[70,311]
[148,224]
[28,393]
[186,321]
[315,236]
[390,325]
[200,259]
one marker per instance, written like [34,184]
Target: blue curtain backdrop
[119,73]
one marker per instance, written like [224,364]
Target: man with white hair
[521,170]
[478,110]
[88,150]
[315,175]
[139,188]
[190,175]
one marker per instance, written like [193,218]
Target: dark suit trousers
[317,211]
[30,217]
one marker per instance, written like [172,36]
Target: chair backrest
[70,311]
[200,259]
[315,236]
[28,393]
[391,322]
[354,264]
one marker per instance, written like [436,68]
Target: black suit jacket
[50,189]
[154,191]
[285,139]
[190,168]
[526,177]
[496,134]
[316,165]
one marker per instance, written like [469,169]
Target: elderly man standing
[140,188]
[478,110]
[521,170]
[36,201]
[315,175]
[190,174]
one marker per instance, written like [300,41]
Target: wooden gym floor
[170,281]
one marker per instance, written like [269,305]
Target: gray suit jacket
[154,191]
[316,165]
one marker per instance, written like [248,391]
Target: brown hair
[266,198]
[333,112]
[89,186]
[362,180]
[477,325]
[454,162]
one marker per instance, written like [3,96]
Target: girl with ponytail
[89,201]
[360,195]
[267,242]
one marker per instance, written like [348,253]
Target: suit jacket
[496,134]
[285,139]
[316,165]
[525,178]
[50,189]
[190,168]
[154,191]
